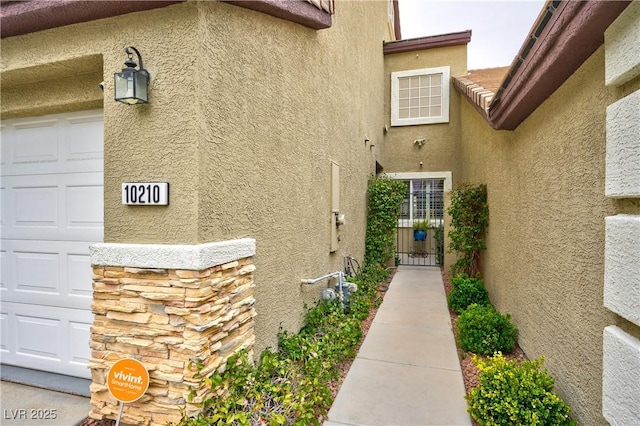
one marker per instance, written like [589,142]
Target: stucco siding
[294,101]
[545,258]
[246,112]
[153,142]
[441,149]
[439,153]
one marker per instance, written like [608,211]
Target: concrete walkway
[407,371]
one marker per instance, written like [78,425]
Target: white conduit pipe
[324,277]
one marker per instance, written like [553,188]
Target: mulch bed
[469,370]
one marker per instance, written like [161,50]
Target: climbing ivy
[385,199]
[469,213]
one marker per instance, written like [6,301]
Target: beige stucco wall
[441,151]
[544,262]
[295,100]
[154,142]
[246,113]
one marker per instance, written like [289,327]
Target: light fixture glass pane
[141,87]
[123,83]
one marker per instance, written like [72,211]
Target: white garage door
[52,210]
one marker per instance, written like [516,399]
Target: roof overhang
[311,14]
[431,42]
[564,36]
[23,17]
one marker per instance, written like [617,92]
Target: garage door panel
[54,339]
[39,337]
[85,207]
[79,282]
[3,145]
[53,207]
[36,142]
[3,269]
[55,273]
[63,143]
[36,273]
[3,205]
[84,137]
[78,343]
[35,207]
[5,335]
[51,211]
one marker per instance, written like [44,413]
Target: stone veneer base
[168,318]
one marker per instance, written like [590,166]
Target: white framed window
[425,197]
[420,96]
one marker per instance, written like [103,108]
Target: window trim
[395,89]
[448,185]
[447,176]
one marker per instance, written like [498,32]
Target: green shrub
[290,386]
[385,200]
[511,394]
[469,213]
[483,330]
[467,291]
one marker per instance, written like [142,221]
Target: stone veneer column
[168,307]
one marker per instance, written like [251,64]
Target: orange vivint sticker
[128,380]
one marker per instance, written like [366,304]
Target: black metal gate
[420,234]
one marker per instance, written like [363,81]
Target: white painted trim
[165,256]
[620,377]
[448,180]
[395,92]
[622,47]
[621,266]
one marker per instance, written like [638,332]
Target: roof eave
[431,42]
[24,17]
[561,43]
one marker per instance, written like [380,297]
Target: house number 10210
[145,193]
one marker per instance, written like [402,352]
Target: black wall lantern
[131,84]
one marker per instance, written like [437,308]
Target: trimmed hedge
[483,330]
[512,394]
[467,291]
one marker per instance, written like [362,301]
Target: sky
[499,28]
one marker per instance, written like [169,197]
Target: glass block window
[420,96]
